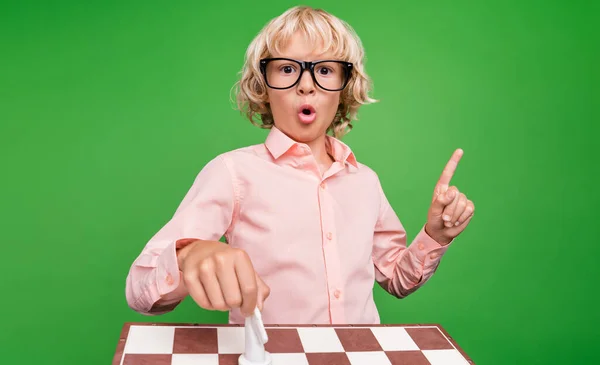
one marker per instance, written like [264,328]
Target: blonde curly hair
[320,27]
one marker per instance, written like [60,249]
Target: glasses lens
[284,73]
[330,75]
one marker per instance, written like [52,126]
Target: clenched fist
[220,277]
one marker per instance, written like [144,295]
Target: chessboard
[222,344]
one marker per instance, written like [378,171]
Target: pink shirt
[319,242]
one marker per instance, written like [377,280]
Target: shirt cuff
[428,251]
[167,286]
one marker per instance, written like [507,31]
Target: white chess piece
[255,339]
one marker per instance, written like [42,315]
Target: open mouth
[307,113]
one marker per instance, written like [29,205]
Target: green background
[109,110]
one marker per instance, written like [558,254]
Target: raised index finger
[448,171]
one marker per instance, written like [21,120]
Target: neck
[319,151]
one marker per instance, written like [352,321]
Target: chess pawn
[255,339]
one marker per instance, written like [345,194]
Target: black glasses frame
[304,66]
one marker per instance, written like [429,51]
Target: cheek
[279,103]
[332,102]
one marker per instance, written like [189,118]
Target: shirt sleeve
[402,269]
[154,283]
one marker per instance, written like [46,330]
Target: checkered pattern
[165,344]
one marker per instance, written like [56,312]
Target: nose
[306,84]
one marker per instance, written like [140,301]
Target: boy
[308,228]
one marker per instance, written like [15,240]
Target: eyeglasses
[284,73]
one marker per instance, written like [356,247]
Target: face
[304,111]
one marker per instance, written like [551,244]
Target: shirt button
[433,256]
[169,279]
[322,185]
[337,293]
[421,246]
[329,235]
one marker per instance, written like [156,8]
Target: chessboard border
[125,331]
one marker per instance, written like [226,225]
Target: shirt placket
[331,256]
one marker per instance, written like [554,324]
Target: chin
[304,137]
[307,132]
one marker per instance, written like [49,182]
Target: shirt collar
[278,143]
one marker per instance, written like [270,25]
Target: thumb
[263,293]
[441,201]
